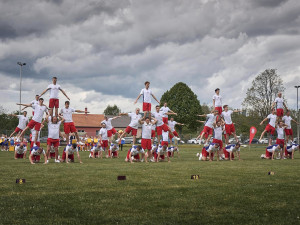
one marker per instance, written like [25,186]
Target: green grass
[239,192]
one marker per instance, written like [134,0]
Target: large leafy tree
[262,93]
[112,110]
[182,100]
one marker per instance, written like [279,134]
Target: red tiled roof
[89,120]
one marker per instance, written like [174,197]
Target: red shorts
[230,129]
[161,156]
[69,128]
[33,124]
[227,154]
[69,156]
[33,113]
[104,143]
[164,143]
[146,144]
[146,107]
[114,154]
[161,128]
[36,157]
[53,102]
[280,141]
[165,120]
[286,152]
[289,132]
[111,132]
[268,154]
[169,154]
[205,153]
[132,130]
[219,110]
[17,130]
[279,112]
[54,142]
[37,144]
[220,142]
[135,156]
[270,129]
[153,133]
[96,153]
[52,155]
[207,131]
[174,134]
[20,156]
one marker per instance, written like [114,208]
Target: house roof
[89,120]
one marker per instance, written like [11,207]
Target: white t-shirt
[134,123]
[53,129]
[96,148]
[280,132]
[54,90]
[279,103]
[39,112]
[154,147]
[272,119]
[165,110]
[218,131]
[33,134]
[211,148]
[20,150]
[211,118]
[67,114]
[108,123]
[111,148]
[227,116]
[165,136]
[290,148]
[231,148]
[34,102]
[161,151]
[146,95]
[146,130]
[153,125]
[218,100]
[172,125]
[272,148]
[34,151]
[22,122]
[103,133]
[287,120]
[70,150]
[158,116]
[134,151]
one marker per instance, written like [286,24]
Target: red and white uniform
[71,152]
[114,149]
[211,148]
[20,151]
[38,116]
[287,120]
[289,149]
[146,136]
[228,149]
[271,150]
[96,149]
[218,103]
[280,135]
[23,120]
[165,116]
[110,129]
[34,102]
[69,126]
[165,138]
[279,106]
[172,126]
[218,131]
[270,128]
[208,127]
[35,155]
[134,123]
[54,95]
[160,152]
[33,135]
[135,152]
[53,133]
[103,133]
[229,126]
[160,125]
[146,99]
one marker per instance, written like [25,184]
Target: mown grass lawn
[239,192]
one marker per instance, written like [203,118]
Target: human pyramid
[154,124]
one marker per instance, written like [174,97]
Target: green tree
[261,94]
[182,100]
[112,110]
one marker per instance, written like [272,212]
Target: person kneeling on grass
[20,151]
[271,150]
[290,150]
[159,154]
[96,151]
[134,154]
[35,155]
[209,151]
[113,151]
[229,151]
[69,151]
[175,149]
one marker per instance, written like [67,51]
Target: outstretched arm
[273,105]
[44,92]
[27,105]
[123,114]
[137,98]
[64,93]
[153,120]
[200,121]
[155,98]
[171,113]
[295,121]
[115,117]
[261,123]
[80,111]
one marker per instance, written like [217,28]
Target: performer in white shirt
[20,151]
[33,102]
[165,109]
[217,101]
[270,128]
[287,119]
[229,126]
[279,103]
[23,120]
[207,131]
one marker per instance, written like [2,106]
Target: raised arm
[273,105]
[153,120]
[44,92]
[64,93]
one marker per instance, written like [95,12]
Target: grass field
[239,192]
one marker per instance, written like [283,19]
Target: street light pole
[20,64]
[297,115]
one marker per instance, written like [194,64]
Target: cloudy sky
[103,51]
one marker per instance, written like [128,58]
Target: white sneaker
[57,161]
[90,156]
[262,156]
[47,161]
[58,156]
[198,154]
[34,145]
